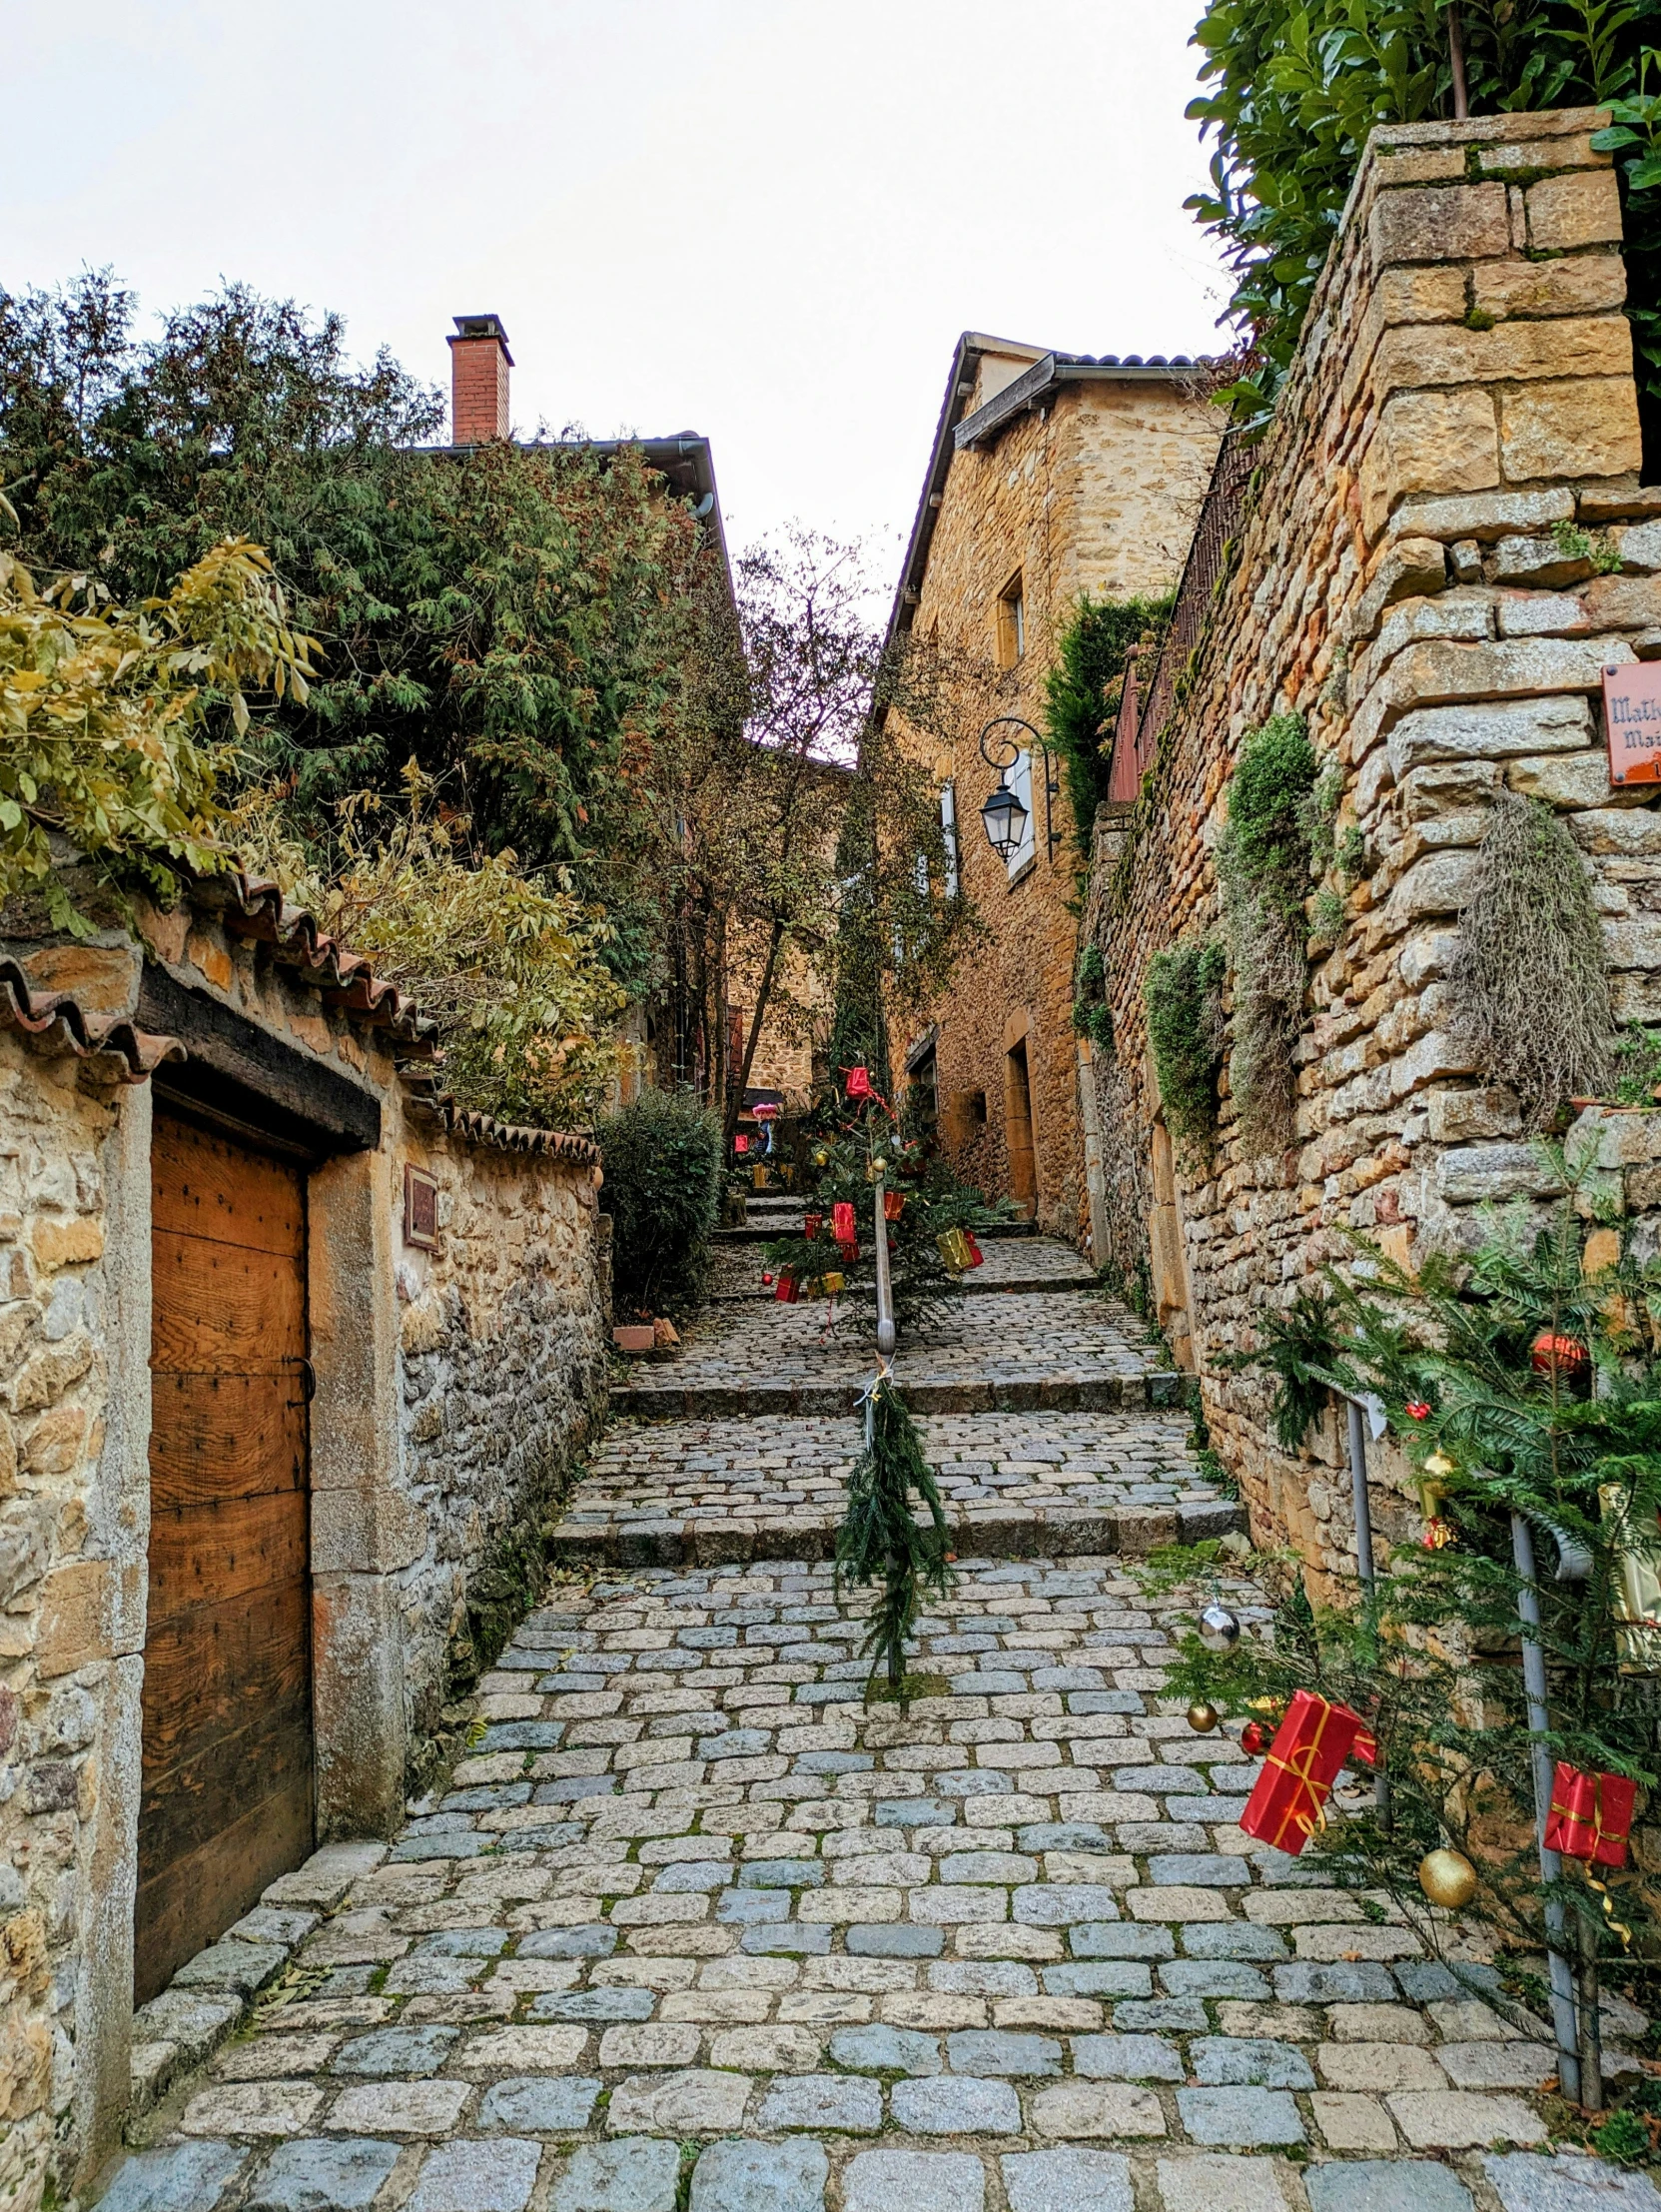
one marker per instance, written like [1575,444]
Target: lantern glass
[1006,821]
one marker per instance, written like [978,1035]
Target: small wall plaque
[1633,720]
[420,1209]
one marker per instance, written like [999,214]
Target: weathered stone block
[1486,517]
[1572,211]
[1482,1172]
[1428,441]
[1579,346]
[1583,426]
[1589,284]
[1439,223]
[1484,731]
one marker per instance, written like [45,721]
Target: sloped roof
[957,432]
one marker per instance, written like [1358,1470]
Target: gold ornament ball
[1447,1879]
[1202,1716]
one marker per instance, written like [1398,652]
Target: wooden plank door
[227,1801]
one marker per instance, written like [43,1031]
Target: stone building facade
[1051,475]
[450,1289]
[1443,546]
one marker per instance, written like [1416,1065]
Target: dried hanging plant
[1531,990]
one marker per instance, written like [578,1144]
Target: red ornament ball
[1254,1737]
[1418,1409]
[767,1280]
[1565,1353]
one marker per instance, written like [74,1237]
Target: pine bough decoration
[880,1533]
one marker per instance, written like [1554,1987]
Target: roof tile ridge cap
[515,1136]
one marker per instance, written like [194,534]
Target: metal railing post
[885,1289]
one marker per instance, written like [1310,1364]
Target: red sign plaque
[1633,718]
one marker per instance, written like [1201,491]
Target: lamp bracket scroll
[1001,751]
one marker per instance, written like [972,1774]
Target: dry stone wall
[1445,545]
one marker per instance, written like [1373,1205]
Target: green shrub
[1077,708]
[1183,991]
[1264,860]
[663,1159]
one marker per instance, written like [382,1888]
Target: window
[1012,623]
[948,833]
[1019,779]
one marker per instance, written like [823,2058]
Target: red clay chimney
[478,365]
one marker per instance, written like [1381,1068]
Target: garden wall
[1443,544]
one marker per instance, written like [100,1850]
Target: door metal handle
[308,1378]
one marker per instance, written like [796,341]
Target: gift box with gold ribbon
[955,1250]
[1300,1768]
[1590,1816]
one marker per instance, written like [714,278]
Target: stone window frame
[1012,623]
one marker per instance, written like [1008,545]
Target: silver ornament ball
[1218,1630]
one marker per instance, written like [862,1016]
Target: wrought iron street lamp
[1004,816]
[1006,822]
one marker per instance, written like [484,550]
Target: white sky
[764,219]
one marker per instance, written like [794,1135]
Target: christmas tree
[1524,1383]
[926,1211]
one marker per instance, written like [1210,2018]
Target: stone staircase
[1052,1424]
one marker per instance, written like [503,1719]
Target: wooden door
[227,1801]
[1017,1130]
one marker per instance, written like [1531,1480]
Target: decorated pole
[1563,2018]
[885,1287]
[1361,1409]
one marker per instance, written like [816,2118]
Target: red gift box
[843,1227]
[1590,1816]
[1300,1768]
[976,1255]
[859,1082]
[789,1292]
[812,1224]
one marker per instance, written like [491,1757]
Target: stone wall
[1095,490]
[503,1344]
[1415,575]
[454,1388]
[73,1518]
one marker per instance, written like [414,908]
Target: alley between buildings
[692,1906]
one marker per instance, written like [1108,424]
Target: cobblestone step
[754,1233]
[722,1491]
[1021,1266]
[693,1905]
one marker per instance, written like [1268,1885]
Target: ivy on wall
[1183,990]
[1531,990]
[1081,695]
[1264,860]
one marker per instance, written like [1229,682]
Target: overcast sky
[765,220]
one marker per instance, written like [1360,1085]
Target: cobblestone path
[696,1928]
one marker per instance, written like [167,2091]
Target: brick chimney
[478,365]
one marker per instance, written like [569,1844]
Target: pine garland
[880,1533]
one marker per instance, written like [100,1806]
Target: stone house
[1050,475]
[1435,553]
[292,1355]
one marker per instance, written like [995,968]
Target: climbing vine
[1183,990]
[1081,694]
[1264,861]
